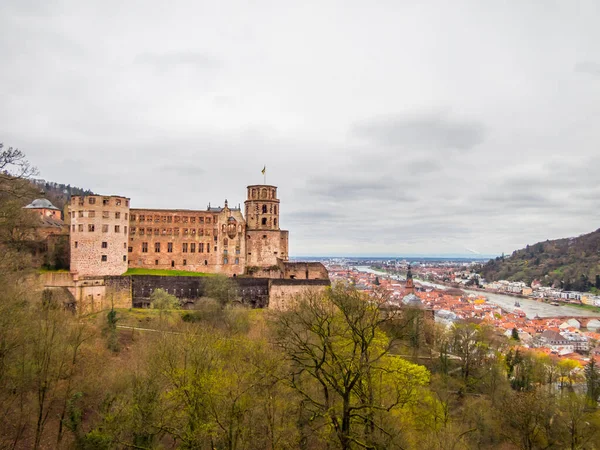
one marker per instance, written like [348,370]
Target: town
[562,331]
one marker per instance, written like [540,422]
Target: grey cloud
[589,67]
[424,132]
[168,60]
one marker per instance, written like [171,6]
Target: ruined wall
[93,294]
[98,235]
[209,241]
[253,291]
[264,248]
[306,271]
[284,292]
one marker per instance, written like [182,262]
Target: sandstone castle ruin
[108,237]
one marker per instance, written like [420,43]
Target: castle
[107,237]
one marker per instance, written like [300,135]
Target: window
[132,217]
[149,231]
[172,263]
[275,222]
[237,250]
[117,228]
[105,245]
[91,213]
[192,219]
[117,215]
[76,244]
[237,260]
[156,219]
[170,219]
[124,258]
[184,248]
[193,231]
[142,218]
[201,247]
[156,262]
[104,258]
[92,200]
[185,219]
[125,216]
[264,209]
[80,213]
[157,247]
[80,201]
[193,247]
[130,249]
[163,219]
[156,231]
[142,231]
[118,202]
[215,219]
[225,251]
[163,231]
[201,232]
[170,247]
[126,202]
[225,261]
[73,227]
[133,230]
[205,262]
[208,220]
[201,220]
[177,219]
[207,248]
[215,249]
[225,242]
[125,229]
[264,236]
[264,221]
[185,231]
[176,231]
[91,227]
[106,201]
[185,262]
[144,247]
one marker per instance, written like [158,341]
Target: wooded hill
[570,263]
[59,194]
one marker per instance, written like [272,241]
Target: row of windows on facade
[185,248]
[263,193]
[90,214]
[270,209]
[104,258]
[184,263]
[175,231]
[173,219]
[103,245]
[106,201]
[92,228]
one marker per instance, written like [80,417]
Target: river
[531,308]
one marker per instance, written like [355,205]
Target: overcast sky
[390,127]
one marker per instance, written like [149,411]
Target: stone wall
[306,271]
[265,248]
[253,291]
[284,292]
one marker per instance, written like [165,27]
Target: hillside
[570,263]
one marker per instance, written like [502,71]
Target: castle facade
[107,237]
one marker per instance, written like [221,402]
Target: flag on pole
[264,170]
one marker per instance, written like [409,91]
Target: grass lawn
[588,307]
[167,273]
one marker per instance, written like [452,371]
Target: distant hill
[59,194]
[570,263]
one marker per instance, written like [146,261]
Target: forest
[336,371]
[569,264]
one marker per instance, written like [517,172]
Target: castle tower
[266,243]
[99,235]
[410,285]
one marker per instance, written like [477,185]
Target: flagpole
[265,174]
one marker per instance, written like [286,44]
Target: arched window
[225,242]
[264,209]
[275,209]
[264,221]
[275,222]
